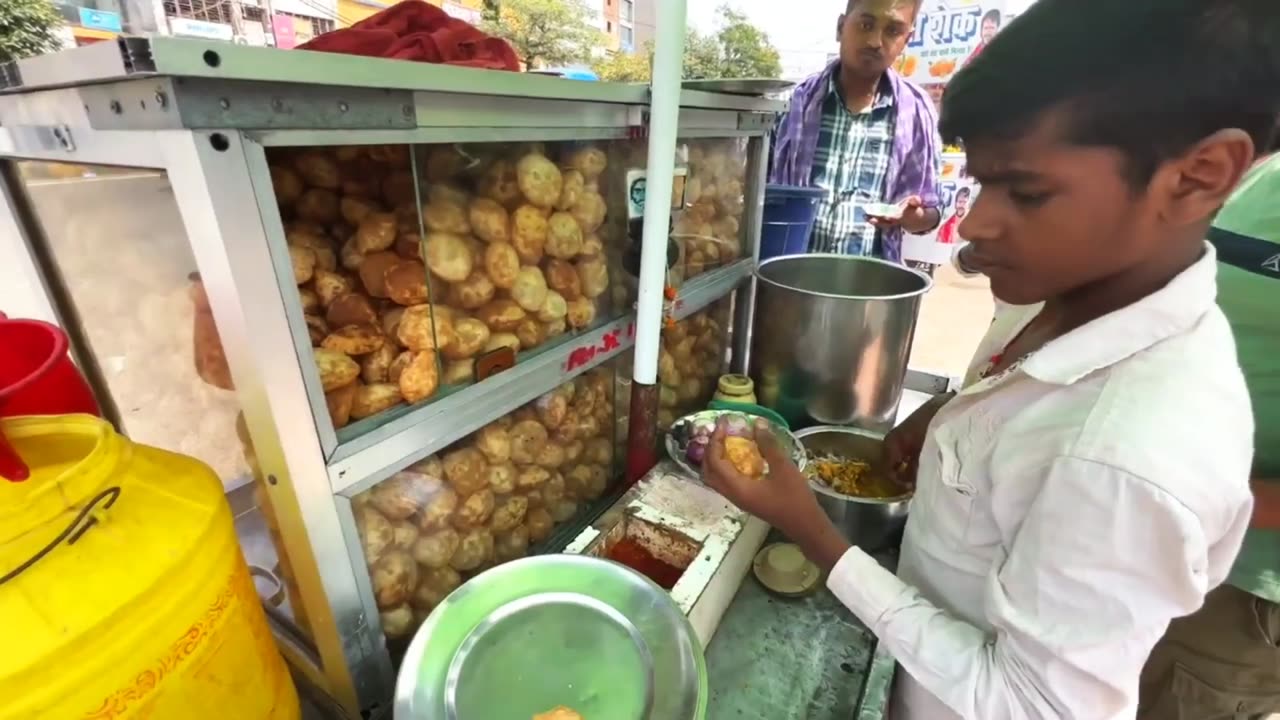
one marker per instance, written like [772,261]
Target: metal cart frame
[205,113]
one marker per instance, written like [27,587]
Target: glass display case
[422,268]
[709,228]
[695,352]
[144,333]
[390,304]
[493,496]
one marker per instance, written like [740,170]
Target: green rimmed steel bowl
[676,448]
[552,630]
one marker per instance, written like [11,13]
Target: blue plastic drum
[789,212]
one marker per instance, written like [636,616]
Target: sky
[804,38]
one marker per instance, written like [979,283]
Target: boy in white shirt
[1090,482]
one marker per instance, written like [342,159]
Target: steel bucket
[831,338]
[871,523]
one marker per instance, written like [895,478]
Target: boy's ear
[839,27]
[1195,185]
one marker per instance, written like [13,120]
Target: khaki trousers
[1220,663]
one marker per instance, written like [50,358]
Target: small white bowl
[783,569]
[888,211]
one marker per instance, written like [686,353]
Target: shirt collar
[1168,312]
[884,90]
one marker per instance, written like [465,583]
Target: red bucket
[36,378]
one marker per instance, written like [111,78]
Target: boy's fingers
[716,465]
[720,475]
[718,435]
[893,453]
[768,443]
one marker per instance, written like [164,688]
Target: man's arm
[1099,565]
[929,214]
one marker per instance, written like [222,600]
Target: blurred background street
[954,316]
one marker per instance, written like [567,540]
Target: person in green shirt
[1223,661]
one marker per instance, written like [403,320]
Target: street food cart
[390,305]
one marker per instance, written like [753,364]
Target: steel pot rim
[927,286]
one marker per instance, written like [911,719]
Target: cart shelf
[195,210]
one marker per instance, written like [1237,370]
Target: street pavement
[953,318]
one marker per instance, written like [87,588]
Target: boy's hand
[781,498]
[903,444]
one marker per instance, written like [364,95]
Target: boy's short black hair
[963,192]
[1149,77]
[993,16]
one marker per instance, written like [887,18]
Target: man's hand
[903,444]
[781,498]
[916,218]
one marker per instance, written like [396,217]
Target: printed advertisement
[958,191]
[282,30]
[948,34]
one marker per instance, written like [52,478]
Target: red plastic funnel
[36,378]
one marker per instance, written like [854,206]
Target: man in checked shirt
[865,134]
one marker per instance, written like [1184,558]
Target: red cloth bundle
[416,30]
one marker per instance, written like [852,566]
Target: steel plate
[553,630]
[677,452]
[758,87]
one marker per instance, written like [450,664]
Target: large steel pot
[831,338]
[869,523]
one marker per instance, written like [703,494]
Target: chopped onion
[697,449]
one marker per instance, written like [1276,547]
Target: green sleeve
[1251,302]
[1254,209]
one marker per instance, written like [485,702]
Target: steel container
[869,523]
[831,337]
[554,630]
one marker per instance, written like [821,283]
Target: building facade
[628,24]
[91,21]
[280,23]
[645,21]
[353,11]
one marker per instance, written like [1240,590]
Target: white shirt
[1066,510]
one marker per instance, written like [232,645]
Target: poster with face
[957,192]
[948,34]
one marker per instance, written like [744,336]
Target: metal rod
[745,299]
[664,120]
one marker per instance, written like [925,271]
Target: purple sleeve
[930,157]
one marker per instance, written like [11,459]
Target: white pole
[664,117]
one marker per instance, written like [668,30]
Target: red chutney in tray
[638,558]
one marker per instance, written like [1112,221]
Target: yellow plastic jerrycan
[123,594]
